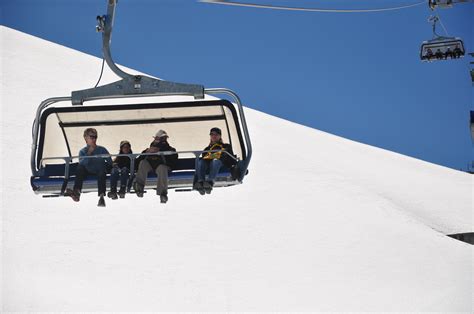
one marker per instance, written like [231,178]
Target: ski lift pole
[106,24]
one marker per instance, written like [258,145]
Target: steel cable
[276,7]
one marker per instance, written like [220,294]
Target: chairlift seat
[51,179]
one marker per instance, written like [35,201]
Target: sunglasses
[93,136]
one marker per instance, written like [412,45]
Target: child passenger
[120,170]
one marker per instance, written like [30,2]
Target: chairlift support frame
[131,86]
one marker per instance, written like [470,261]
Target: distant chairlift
[444,4]
[187,116]
[433,4]
[441,47]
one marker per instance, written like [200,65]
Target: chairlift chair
[134,108]
[433,4]
[442,48]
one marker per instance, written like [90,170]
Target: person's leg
[124,174]
[142,174]
[101,184]
[199,176]
[162,180]
[114,176]
[215,166]
[201,170]
[204,169]
[81,173]
[101,181]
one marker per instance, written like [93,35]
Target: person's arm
[227,160]
[206,148]
[83,152]
[107,159]
[139,159]
[228,148]
[171,160]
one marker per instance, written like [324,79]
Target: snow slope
[335,226]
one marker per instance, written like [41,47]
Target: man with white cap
[160,164]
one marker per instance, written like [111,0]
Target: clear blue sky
[354,75]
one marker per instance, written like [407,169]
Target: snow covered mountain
[321,223]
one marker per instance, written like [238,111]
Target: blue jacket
[95,165]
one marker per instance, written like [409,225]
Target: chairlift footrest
[183,190]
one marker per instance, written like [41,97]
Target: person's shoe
[163,197]
[208,187]
[122,192]
[101,201]
[74,194]
[112,195]
[138,189]
[199,187]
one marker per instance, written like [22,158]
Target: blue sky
[354,75]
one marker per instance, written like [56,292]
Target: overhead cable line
[288,8]
[442,25]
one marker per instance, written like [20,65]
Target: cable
[276,7]
[101,71]
[440,22]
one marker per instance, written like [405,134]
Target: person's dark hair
[121,152]
[122,144]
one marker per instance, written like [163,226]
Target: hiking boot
[74,194]
[138,189]
[163,198]
[208,186]
[199,187]
[112,195]
[101,201]
[122,192]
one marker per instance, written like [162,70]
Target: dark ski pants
[82,173]
[123,174]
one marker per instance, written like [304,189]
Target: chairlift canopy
[187,124]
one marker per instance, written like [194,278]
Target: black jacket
[225,158]
[122,161]
[155,161]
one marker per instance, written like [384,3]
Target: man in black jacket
[161,164]
[211,162]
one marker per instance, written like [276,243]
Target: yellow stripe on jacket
[216,155]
